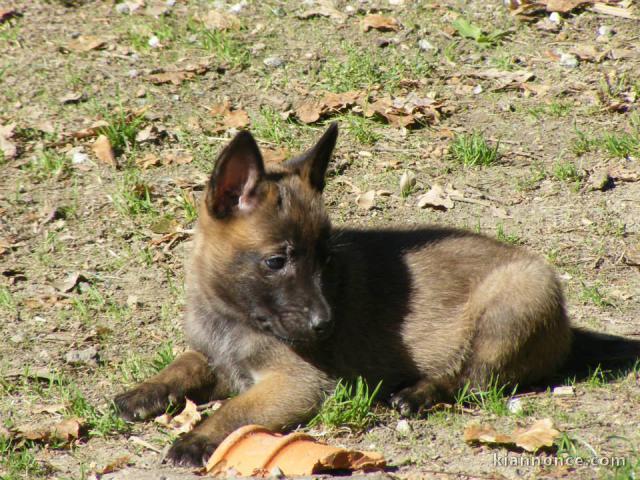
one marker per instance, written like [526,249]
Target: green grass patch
[48,164]
[18,463]
[593,294]
[135,369]
[133,195]
[473,150]
[7,302]
[225,48]
[494,398]
[566,172]
[270,127]
[362,129]
[505,237]
[350,405]
[469,30]
[121,130]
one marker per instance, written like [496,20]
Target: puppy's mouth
[273,327]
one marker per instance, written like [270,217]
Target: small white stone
[154,42]
[555,17]
[78,156]
[426,45]
[564,391]
[569,60]
[605,31]
[133,73]
[170,3]
[273,62]
[477,90]
[123,8]
[514,405]
[403,427]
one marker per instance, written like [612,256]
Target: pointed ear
[312,164]
[232,186]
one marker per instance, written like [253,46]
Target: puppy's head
[262,242]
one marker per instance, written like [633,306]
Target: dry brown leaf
[148,161]
[177,158]
[540,434]
[103,151]
[69,283]
[73,97]
[55,408]
[275,156]
[504,78]
[588,53]
[86,43]
[438,197]
[367,200]
[91,131]
[175,77]
[236,119]
[309,111]
[217,20]
[622,12]
[118,464]
[227,117]
[65,431]
[379,22]
[564,6]
[187,419]
[404,111]
[8,148]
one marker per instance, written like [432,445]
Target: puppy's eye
[277,262]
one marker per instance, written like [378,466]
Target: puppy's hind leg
[521,329]
[188,375]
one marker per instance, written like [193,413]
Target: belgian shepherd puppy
[281,305]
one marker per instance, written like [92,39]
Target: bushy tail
[592,349]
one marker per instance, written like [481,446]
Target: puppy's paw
[144,401]
[191,450]
[412,400]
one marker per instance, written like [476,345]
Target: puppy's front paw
[412,400]
[145,401]
[191,450]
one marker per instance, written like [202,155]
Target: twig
[145,444]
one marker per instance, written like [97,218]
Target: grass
[466,29]
[188,205]
[567,172]
[593,294]
[122,129]
[7,302]
[622,145]
[100,421]
[133,196]
[136,368]
[269,126]
[554,109]
[362,129]
[493,399]
[507,237]
[225,48]
[18,462]
[48,164]
[349,405]
[473,150]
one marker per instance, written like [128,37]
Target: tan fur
[424,310]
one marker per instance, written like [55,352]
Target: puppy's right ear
[233,183]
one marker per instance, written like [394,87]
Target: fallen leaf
[227,117]
[236,119]
[404,111]
[91,131]
[437,198]
[103,151]
[323,9]
[504,78]
[540,434]
[588,53]
[379,22]
[151,134]
[564,391]
[149,160]
[367,200]
[275,156]
[177,158]
[187,419]
[73,97]
[564,6]
[69,283]
[176,77]
[65,431]
[7,146]
[55,408]
[309,111]
[86,43]
[217,20]
[115,465]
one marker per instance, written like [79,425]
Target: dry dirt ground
[92,250]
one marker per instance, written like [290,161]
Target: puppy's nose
[320,324]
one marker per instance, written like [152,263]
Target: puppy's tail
[592,349]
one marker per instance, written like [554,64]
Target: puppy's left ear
[312,164]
